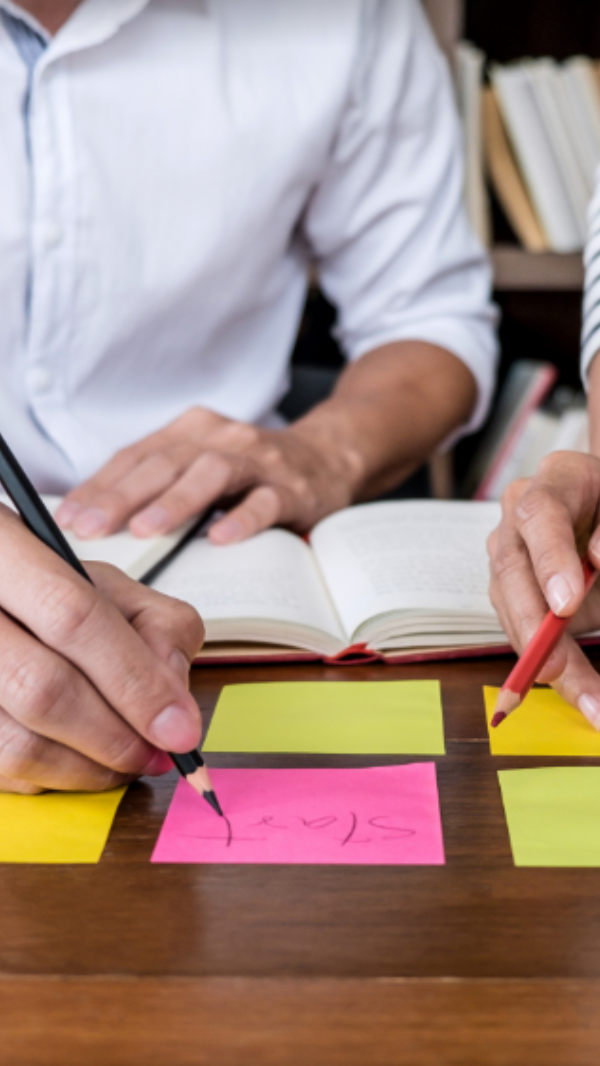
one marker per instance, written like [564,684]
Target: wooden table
[472,963]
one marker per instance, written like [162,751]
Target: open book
[393,580]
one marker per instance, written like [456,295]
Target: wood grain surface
[475,962]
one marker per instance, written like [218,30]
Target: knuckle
[190,418]
[34,691]
[189,622]
[535,507]
[560,463]
[126,755]
[183,622]
[213,470]
[269,455]
[65,608]
[168,465]
[246,435]
[545,561]
[219,464]
[301,486]
[507,560]
[239,436]
[549,463]
[19,752]
[513,493]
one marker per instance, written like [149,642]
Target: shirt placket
[53,224]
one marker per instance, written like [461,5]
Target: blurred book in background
[529,423]
[533,134]
[470,63]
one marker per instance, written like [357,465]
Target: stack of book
[534,132]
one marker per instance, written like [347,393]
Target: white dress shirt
[188,158]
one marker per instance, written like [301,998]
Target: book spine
[538,392]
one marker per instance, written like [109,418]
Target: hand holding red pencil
[548,523]
[535,657]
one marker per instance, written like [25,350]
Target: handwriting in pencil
[296,824]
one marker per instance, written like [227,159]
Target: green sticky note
[330,717]
[553,815]
[57,827]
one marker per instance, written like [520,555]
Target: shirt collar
[92,23]
[24,16]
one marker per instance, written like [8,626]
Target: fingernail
[151,521]
[177,728]
[159,764]
[90,523]
[558,593]
[590,707]
[67,512]
[226,531]
[180,665]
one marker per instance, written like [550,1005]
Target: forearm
[594,405]
[389,412]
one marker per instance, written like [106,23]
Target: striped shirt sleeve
[590,330]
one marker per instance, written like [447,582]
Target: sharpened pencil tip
[498,718]
[212,799]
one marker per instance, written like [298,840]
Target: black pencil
[38,519]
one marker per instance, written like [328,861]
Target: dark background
[510,29]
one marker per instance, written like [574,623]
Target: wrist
[330,432]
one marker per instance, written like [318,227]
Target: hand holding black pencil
[38,519]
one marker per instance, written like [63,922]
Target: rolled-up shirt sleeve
[387,224]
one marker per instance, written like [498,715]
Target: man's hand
[93,680]
[389,411]
[548,522]
[155,485]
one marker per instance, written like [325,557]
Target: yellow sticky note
[57,827]
[330,717]
[553,815]
[543,725]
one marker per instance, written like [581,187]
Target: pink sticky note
[378,816]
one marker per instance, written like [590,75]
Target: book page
[271,578]
[406,556]
[134,555]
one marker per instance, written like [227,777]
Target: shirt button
[40,380]
[53,236]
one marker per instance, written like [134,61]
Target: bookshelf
[506,30]
[539,295]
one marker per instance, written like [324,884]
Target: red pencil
[536,654]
